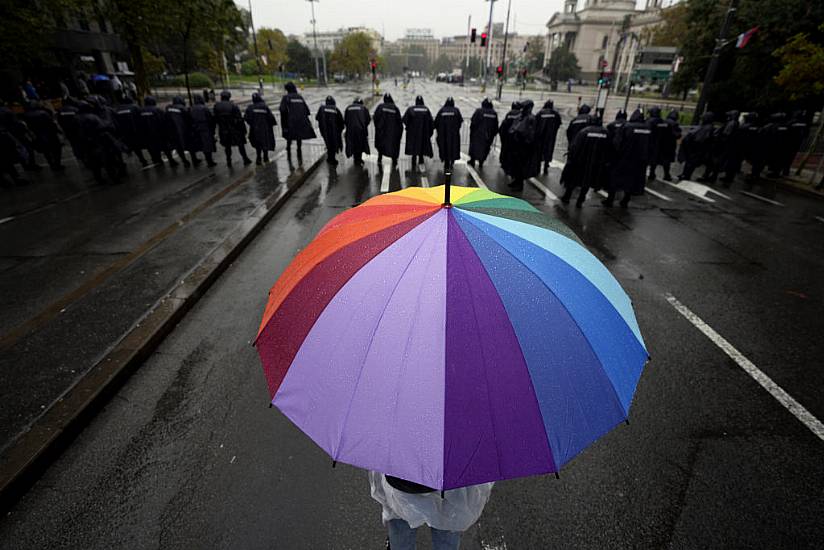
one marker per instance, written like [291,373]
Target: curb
[25,460]
[796,188]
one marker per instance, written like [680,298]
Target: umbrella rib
[371,340]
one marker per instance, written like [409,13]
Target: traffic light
[373,64]
[472,36]
[483,40]
[500,71]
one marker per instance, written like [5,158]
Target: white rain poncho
[457,510]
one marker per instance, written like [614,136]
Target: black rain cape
[482,131]
[261,123]
[628,170]
[577,124]
[589,154]
[549,121]
[152,126]
[179,125]
[294,115]
[356,120]
[696,147]
[506,138]
[330,123]
[419,127]
[525,154]
[231,129]
[388,128]
[203,127]
[448,123]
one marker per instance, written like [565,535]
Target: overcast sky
[393,17]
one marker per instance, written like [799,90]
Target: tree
[474,68]
[299,58]
[27,27]
[272,45]
[442,64]
[352,54]
[562,65]
[802,73]
[674,28]
[534,56]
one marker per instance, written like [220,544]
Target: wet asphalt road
[188,455]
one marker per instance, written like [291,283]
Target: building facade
[328,40]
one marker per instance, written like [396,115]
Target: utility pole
[257,55]
[468,43]
[315,40]
[720,42]
[488,61]
[503,55]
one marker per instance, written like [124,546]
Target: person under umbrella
[419,127]
[153,131]
[588,159]
[231,129]
[631,156]
[388,130]
[696,147]
[482,131]
[203,131]
[577,124]
[330,123]
[127,121]
[549,121]
[356,120]
[448,123]
[294,120]
[180,127]
[261,123]
[525,147]
[506,139]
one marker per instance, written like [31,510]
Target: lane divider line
[548,195]
[603,193]
[785,399]
[655,193]
[689,189]
[819,218]
[473,172]
[760,198]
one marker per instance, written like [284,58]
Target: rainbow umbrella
[450,344]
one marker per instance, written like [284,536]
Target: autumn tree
[351,56]
[273,48]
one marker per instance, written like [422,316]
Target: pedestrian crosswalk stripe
[10,218]
[786,400]
[603,193]
[819,218]
[690,188]
[424,181]
[759,197]
[474,173]
[655,193]
[549,195]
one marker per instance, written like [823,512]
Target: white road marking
[757,374]
[819,218]
[549,195]
[474,173]
[556,164]
[655,193]
[691,188]
[10,218]
[603,193]
[759,197]
[385,177]
[424,181]
[152,165]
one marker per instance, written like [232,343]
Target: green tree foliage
[442,65]
[534,56]
[562,65]
[272,45]
[474,69]
[26,29]
[249,67]
[802,73]
[351,56]
[299,59]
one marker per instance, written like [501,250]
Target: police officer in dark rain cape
[153,131]
[294,120]
[615,126]
[776,134]
[448,123]
[589,154]
[798,130]
[630,156]
[752,145]
[356,119]
[101,149]
[46,133]
[731,145]
[330,123]
[419,127]
[549,121]
[179,127]
[578,123]
[203,131]
[661,135]
[505,157]
[230,127]
[262,124]
[526,155]
[482,130]
[67,119]
[696,147]
[388,130]
[127,120]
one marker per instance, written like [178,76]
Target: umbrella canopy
[450,345]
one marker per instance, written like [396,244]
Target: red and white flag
[744,37]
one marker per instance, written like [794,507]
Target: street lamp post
[720,42]
[315,40]
[488,61]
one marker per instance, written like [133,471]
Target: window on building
[604,42]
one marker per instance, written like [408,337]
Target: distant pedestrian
[388,130]
[578,123]
[419,128]
[482,131]
[356,120]
[630,157]
[525,156]
[29,91]
[448,123]
[753,150]
[153,131]
[506,154]
[127,122]
[696,147]
[570,82]
[406,506]
[82,86]
[203,131]
[294,120]
[231,129]
[587,163]
[179,124]
[262,124]
[330,124]
[549,121]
